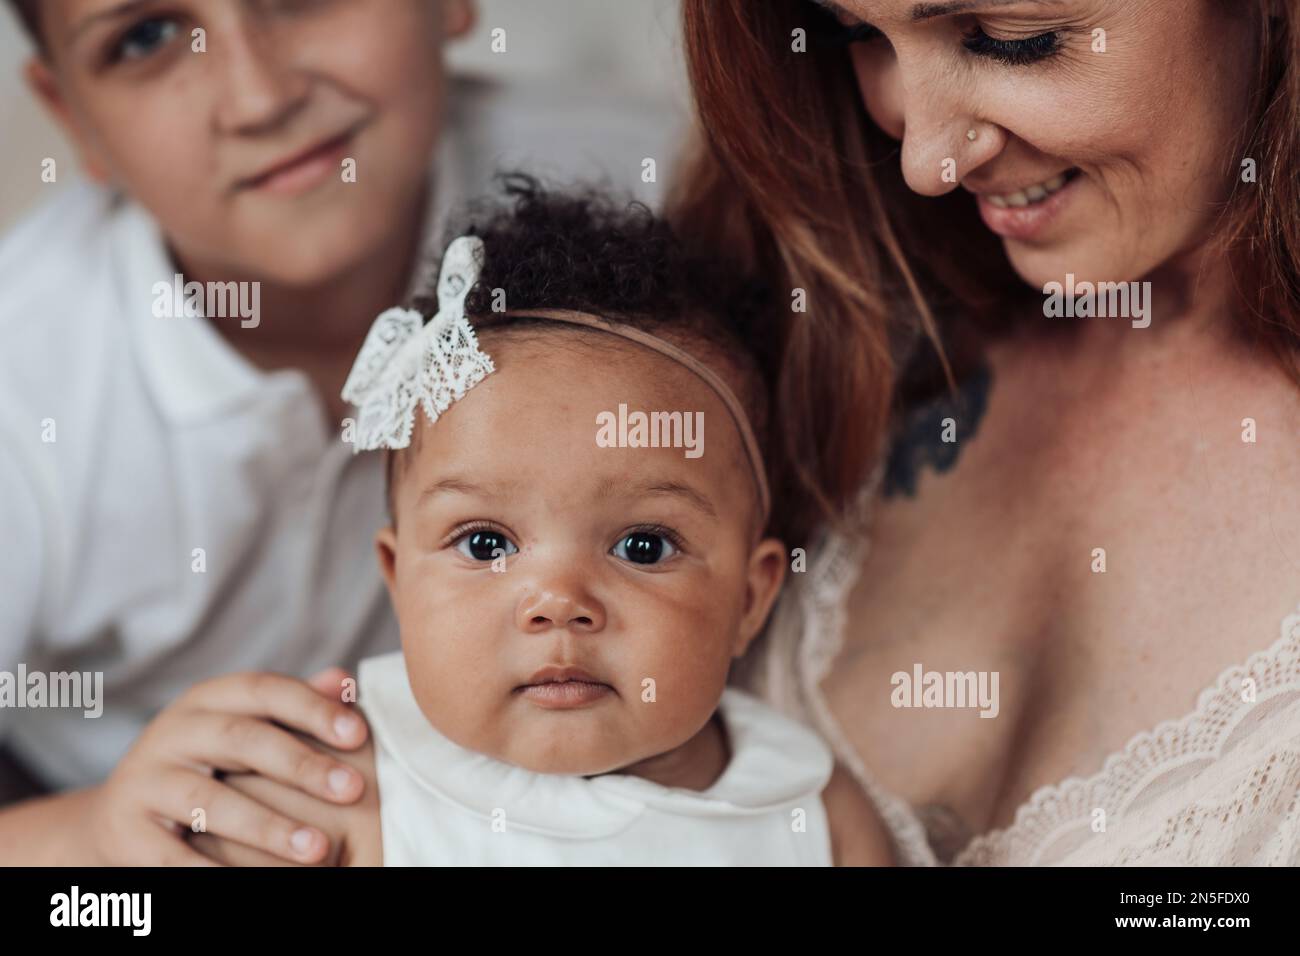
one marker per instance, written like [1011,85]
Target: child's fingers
[229,814]
[233,742]
[329,682]
[155,846]
[228,853]
[286,700]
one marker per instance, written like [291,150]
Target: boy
[175,498]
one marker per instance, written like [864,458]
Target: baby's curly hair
[583,250]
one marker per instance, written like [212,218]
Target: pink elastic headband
[703,372]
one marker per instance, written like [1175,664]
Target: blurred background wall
[620,52]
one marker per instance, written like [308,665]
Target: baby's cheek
[453,645]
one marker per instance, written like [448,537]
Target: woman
[1099,524]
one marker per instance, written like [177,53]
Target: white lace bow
[406,363]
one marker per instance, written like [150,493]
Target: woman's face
[233,121]
[1103,128]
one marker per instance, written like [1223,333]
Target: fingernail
[346,725]
[339,781]
[302,841]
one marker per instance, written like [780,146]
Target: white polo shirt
[168,512]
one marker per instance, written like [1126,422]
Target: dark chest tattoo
[935,434]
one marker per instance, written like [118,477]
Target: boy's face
[637,567]
[235,138]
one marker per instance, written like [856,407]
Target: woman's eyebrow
[928,11]
[119,11]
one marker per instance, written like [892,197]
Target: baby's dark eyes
[644,547]
[485,545]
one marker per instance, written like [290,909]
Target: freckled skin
[471,636]
[177,129]
[1153,148]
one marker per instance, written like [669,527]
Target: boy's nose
[547,608]
[261,89]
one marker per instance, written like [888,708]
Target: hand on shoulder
[353,829]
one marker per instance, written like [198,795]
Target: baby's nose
[548,608]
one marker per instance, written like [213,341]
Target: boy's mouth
[304,169]
[560,688]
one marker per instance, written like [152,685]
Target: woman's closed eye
[1012,52]
[1021,51]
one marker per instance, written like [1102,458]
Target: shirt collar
[774,763]
[193,373]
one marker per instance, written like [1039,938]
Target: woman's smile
[1026,214]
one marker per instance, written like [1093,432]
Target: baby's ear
[386,549]
[765,576]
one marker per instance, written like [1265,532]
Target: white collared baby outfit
[441,804]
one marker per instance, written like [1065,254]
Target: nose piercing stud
[971,135]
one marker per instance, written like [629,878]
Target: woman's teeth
[1034,194]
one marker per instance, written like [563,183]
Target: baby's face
[526,553]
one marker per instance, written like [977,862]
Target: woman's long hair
[790,175]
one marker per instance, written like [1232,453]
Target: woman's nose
[932,114]
[261,88]
[559,606]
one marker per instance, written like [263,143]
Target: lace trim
[1200,734]
[836,569]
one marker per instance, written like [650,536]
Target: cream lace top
[1219,786]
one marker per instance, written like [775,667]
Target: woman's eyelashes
[483,543]
[1012,52]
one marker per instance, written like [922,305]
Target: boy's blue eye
[644,547]
[145,38]
[486,545]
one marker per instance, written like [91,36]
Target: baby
[577,553]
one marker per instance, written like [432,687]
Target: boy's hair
[29,14]
[584,251]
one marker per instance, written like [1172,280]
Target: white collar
[193,373]
[774,763]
